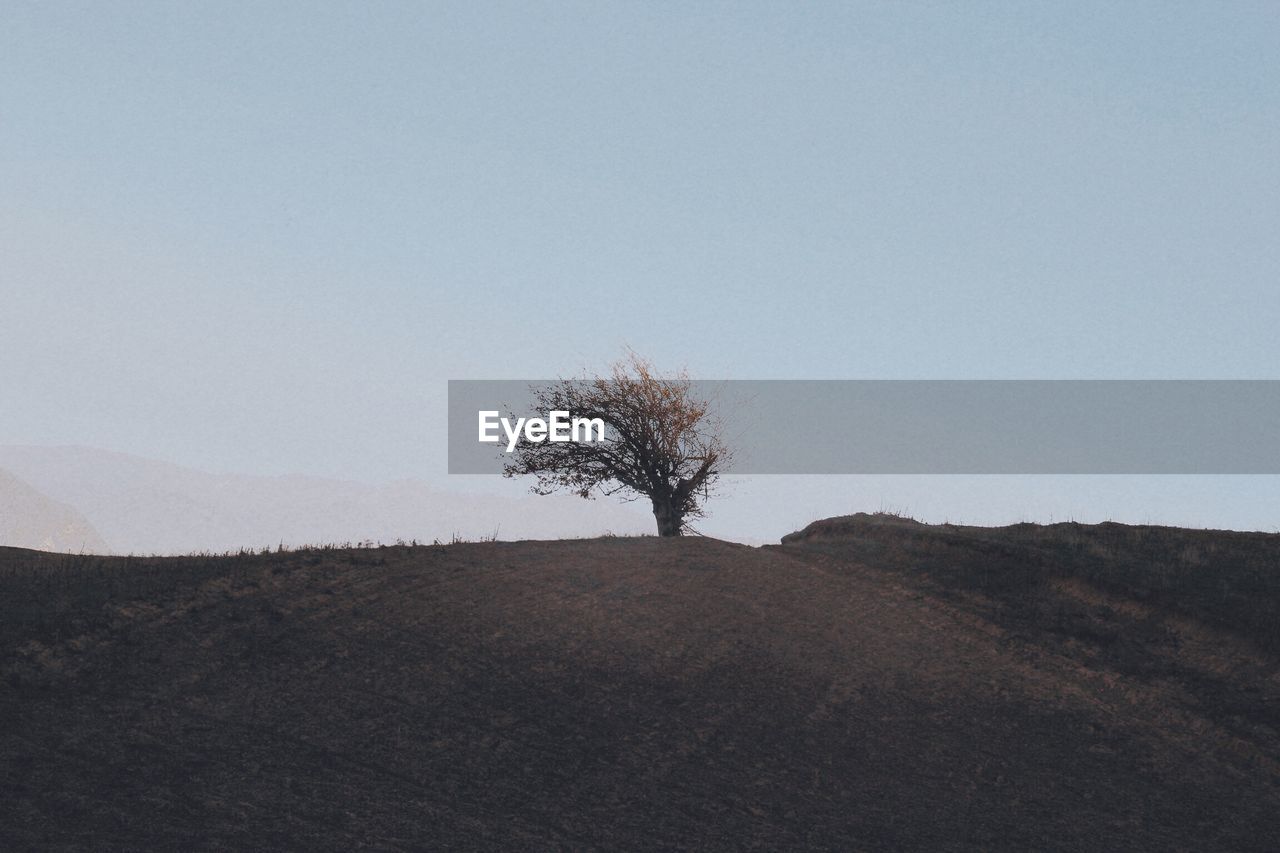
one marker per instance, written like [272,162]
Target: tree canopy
[662,442]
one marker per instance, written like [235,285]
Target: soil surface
[618,694]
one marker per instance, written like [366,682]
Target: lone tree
[661,442]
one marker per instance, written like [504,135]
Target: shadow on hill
[1144,601]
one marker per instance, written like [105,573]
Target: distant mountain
[143,506]
[29,519]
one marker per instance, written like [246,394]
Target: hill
[1041,575]
[29,519]
[830,693]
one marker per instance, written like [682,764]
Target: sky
[260,238]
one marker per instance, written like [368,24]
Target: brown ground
[618,694]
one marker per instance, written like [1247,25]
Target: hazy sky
[260,237]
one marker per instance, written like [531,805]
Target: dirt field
[624,694]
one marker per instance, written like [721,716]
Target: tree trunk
[669,521]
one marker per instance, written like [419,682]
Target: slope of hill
[1032,572]
[29,519]
[142,506]
[609,694]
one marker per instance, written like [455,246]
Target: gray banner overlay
[949,426]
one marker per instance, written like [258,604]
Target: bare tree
[661,442]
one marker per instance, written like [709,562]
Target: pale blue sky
[259,237]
